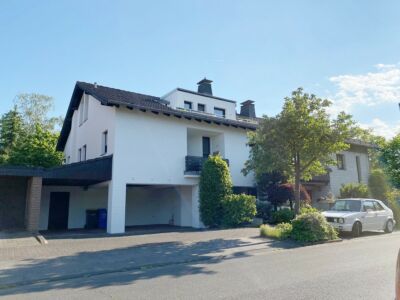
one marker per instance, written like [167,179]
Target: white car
[358,215]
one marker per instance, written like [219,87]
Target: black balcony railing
[194,164]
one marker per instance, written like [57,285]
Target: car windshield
[347,205]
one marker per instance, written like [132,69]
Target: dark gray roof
[115,97]
[83,173]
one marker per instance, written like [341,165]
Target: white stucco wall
[177,99]
[151,149]
[100,119]
[349,174]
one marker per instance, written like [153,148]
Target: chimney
[248,109]
[204,86]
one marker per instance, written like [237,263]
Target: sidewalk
[63,259]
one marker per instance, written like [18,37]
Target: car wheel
[357,229]
[389,226]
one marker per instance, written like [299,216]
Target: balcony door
[206,146]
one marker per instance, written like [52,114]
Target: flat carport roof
[76,174]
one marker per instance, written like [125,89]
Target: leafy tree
[352,190]
[10,129]
[27,136]
[286,192]
[300,141]
[390,155]
[378,185]
[36,148]
[215,186]
[34,109]
[375,152]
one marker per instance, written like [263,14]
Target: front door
[206,146]
[58,212]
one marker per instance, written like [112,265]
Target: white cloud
[386,129]
[370,89]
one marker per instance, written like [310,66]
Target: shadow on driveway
[55,273]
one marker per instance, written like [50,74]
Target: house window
[201,107]
[80,154]
[104,142]
[84,109]
[84,153]
[68,159]
[187,105]
[358,169]
[340,161]
[219,112]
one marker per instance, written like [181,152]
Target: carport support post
[33,197]
[116,207]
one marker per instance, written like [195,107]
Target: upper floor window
[84,153]
[68,159]
[201,107]
[80,154]
[104,142]
[358,165]
[219,112]
[187,105]
[84,109]
[340,161]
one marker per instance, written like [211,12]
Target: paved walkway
[64,258]
[18,239]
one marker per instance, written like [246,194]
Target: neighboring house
[352,166]
[140,157]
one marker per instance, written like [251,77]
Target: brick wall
[12,202]
[33,197]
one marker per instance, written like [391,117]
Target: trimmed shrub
[238,209]
[264,210]
[280,231]
[354,190]
[283,216]
[312,227]
[308,209]
[215,186]
[378,184]
[393,203]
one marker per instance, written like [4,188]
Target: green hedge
[283,216]
[238,209]
[312,227]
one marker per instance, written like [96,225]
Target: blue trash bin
[102,218]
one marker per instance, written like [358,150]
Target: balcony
[194,164]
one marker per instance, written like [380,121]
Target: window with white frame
[340,161]
[104,142]
[219,112]
[187,105]
[84,109]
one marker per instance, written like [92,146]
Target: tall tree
[390,155]
[299,141]
[10,129]
[35,109]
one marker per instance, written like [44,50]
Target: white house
[157,147]
[139,157]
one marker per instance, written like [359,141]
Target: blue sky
[348,51]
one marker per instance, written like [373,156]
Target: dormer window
[201,107]
[187,105]
[219,112]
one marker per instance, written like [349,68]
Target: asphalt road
[360,268]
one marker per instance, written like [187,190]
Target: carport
[21,190]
